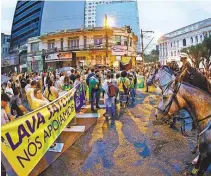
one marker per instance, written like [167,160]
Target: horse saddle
[192,76]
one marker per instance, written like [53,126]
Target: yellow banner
[27,139]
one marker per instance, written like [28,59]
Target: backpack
[124,87]
[94,82]
[111,89]
[15,110]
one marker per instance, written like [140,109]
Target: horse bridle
[152,80]
[173,97]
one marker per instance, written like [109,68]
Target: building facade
[5,45]
[171,44]
[80,47]
[33,18]
[26,22]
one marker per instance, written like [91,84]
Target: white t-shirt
[62,80]
[9,92]
[27,86]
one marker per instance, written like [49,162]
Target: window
[177,43]
[174,44]
[178,52]
[196,39]
[117,40]
[98,40]
[73,43]
[85,41]
[51,44]
[184,42]
[171,53]
[171,44]
[131,41]
[89,10]
[201,39]
[175,53]
[90,18]
[191,40]
[35,47]
[62,43]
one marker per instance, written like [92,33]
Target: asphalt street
[137,144]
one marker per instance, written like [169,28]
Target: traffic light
[128,29]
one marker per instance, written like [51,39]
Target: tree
[207,52]
[152,57]
[195,53]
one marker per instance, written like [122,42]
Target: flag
[126,66]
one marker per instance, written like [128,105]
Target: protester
[57,83]
[67,84]
[30,93]
[77,81]
[51,92]
[28,84]
[109,98]
[17,107]
[94,89]
[39,100]
[4,103]
[8,89]
[123,86]
[72,76]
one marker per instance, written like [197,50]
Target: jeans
[133,94]
[95,96]
[110,106]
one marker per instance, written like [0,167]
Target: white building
[171,43]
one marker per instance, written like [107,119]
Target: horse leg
[204,164]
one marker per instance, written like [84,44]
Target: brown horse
[198,104]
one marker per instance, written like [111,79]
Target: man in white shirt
[28,82]
[9,90]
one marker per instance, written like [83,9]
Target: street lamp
[108,22]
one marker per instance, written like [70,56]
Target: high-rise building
[26,22]
[5,44]
[33,18]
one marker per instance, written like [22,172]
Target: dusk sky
[159,16]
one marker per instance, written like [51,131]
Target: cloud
[6,26]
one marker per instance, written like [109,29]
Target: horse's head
[171,102]
[153,77]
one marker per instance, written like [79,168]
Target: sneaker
[98,107]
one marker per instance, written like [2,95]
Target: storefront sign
[119,50]
[65,56]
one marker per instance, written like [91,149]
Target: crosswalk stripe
[89,106]
[88,115]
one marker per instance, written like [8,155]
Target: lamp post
[106,36]
[142,42]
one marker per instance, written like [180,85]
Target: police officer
[184,60]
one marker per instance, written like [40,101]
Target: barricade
[27,139]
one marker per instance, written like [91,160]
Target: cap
[183,55]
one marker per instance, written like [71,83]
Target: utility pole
[106,30]
[142,43]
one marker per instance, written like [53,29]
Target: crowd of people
[26,92]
